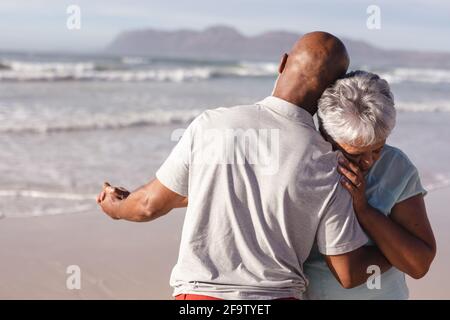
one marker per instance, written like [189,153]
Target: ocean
[70,122]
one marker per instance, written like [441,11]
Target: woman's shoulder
[393,166]
[395,158]
[394,177]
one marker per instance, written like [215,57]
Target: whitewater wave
[399,75]
[101,121]
[46,203]
[25,122]
[136,69]
[90,71]
[82,203]
[46,195]
[440,181]
[133,60]
[430,106]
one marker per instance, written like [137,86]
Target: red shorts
[200,297]
[194,297]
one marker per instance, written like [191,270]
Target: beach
[66,127]
[124,260]
[435,285]
[118,260]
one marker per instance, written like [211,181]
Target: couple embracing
[340,201]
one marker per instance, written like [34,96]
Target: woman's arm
[405,237]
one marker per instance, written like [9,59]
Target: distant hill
[223,42]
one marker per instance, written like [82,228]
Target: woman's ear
[282,63]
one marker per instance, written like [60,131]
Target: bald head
[315,61]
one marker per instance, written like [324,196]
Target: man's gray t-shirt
[262,186]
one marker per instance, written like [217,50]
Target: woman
[356,115]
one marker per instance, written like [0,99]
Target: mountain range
[227,43]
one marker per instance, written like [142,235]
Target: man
[250,223]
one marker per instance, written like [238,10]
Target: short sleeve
[339,231]
[174,172]
[413,185]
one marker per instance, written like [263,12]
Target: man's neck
[299,102]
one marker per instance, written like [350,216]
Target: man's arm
[147,203]
[350,269]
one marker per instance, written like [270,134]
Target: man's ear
[282,63]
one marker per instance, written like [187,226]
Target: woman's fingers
[353,178]
[355,169]
[351,171]
[348,185]
[350,165]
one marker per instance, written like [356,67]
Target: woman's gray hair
[358,109]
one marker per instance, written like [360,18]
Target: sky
[41,25]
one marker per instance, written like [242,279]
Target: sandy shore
[118,259]
[123,260]
[436,284]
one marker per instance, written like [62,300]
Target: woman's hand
[404,237]
[353,180]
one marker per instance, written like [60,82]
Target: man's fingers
[121,192]
[100,197]
[116,192]
[108,188]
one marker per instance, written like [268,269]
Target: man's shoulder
[228,116]
[236,110]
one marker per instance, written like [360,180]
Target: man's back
[259,181]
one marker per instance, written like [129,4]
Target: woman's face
[364,157]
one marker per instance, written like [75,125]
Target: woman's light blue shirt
[392,179]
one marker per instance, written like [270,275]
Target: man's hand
[146,203]
[110,198]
